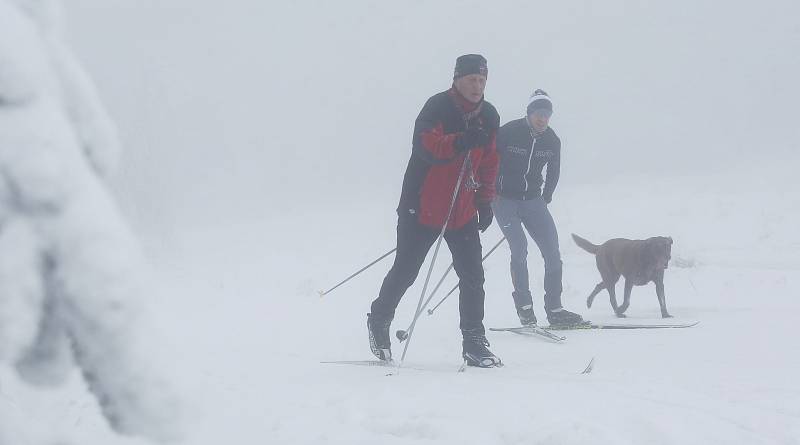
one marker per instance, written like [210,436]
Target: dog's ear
[670,240]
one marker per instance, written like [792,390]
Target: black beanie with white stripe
[539,100]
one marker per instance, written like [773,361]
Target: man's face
[540,119]
[471,87]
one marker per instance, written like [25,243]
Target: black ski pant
[414,240]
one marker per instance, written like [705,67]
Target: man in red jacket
[453,125]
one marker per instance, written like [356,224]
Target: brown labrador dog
[639,261]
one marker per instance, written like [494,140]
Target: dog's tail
[585,244]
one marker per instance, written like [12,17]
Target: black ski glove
[475,136]
[485,217]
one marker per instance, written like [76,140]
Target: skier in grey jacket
[525,147]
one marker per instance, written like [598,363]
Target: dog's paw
[666,316]
[621,315]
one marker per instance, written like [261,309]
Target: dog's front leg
[626,301]
[612,293]
[600,286]
[662,301]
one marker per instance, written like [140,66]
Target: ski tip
[689,324]
[589,368]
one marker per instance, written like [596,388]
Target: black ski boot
[563,318]
[526,316]
[475,350]
[379,339]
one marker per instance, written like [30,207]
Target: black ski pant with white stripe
[414,240]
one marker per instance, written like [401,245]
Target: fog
[263,151]
[252,108]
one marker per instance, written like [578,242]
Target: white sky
[245,107]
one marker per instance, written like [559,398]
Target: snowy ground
[731,379]
[252,331]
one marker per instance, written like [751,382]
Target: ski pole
[430,311]
[433,260]
[436,288]
[322,294]
[447,272]
[403,335]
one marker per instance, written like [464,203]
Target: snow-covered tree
[72,276]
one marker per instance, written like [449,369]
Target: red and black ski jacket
[434,166]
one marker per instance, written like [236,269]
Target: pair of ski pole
[402,335]
[420,307]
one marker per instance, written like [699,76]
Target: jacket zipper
[530,156]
